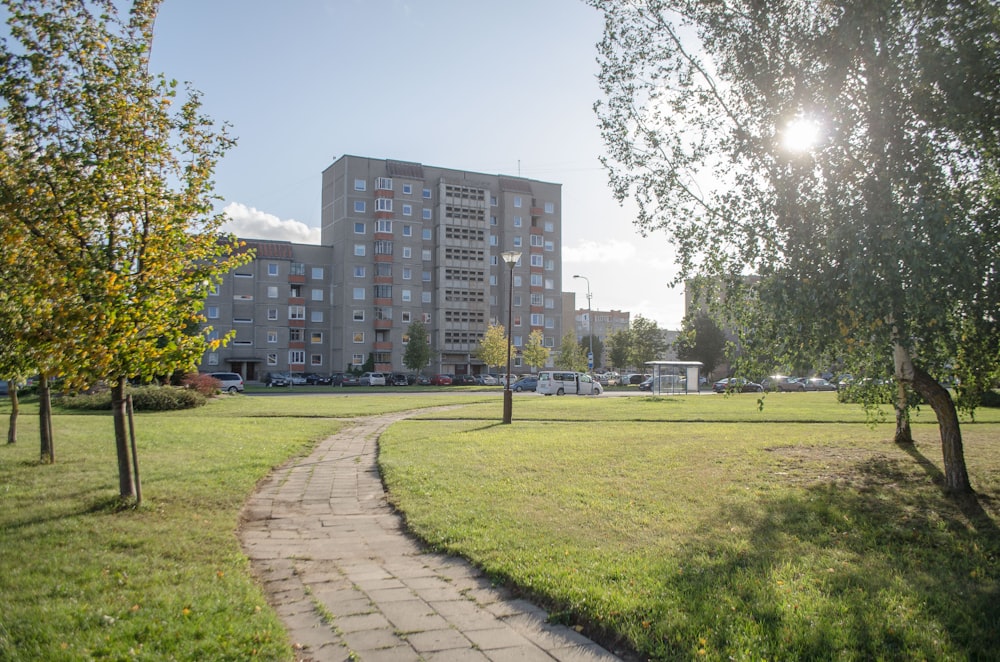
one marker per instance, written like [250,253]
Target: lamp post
[590,324]
[510,258]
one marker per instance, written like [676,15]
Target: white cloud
[249,223]
[599,252]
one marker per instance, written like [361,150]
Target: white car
[230,382]
[561,383]
[372,379]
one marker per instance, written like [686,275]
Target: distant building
[401,242]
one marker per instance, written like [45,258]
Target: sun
[801,134]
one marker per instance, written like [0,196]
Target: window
[550,207]
[297,269]
[359,271]
[407,273]
[383,269]
[425,297]
[407,296]
[295,290]
[406,317]
[272,268]
[272,358]
[296,312]
[518,342]
[550,323]
[493,280]
[316,337]
[359,206]
[359,250]
[315,359]
[550,284]
[296,357]
[550,226]
[517,242]
[383,225]
[493,201]
[359,337]
[493,240]
[383,247]
[317,294]
[295,335]
[427,194]
[494,261]
[213,358]
[536,260]
[407,252]
[383,204]
[536,280]
[517,300]
[426,255]
[358,359]
[272,336]
[537,240]
[407,189]
[536,299]
[383,183]
[517,320]
[426,234]
[272,313]
[550,303]
[517,280]
[317,273]
[272,291]
[359,294]
[359,185]
[550,341]
[359,316]
[537,319]
[383,291]
[425,276]
[212,312]
[407,230]
[518,221]
[359,228]
[316,316]
[427,214]
[407,210]
[550,246]
[517,201]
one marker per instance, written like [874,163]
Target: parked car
[231,382]
[277,379]
[486,380]
[372,379]
[400,379]
[557,382]
[819,384]
[525,384]
[423,380]
[720,386]
[783,383]
[634,379]
[441,380]
[667,383]
[336,378]
[464,380]
[737,385]
[350,380]
[298,378]
[316,379]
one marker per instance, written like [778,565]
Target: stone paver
[350,584]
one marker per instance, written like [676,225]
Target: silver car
[372,379]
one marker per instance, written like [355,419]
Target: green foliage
[417,354]
[535,353]
[571,356]
[492,348]
[144,398]
[646,342]
[618,348]
[702,340]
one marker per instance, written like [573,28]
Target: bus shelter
[674,377]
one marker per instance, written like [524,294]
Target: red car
[441,380]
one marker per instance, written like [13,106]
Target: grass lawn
[167,581]
[706,528]
[690,527]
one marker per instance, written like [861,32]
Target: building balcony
[537,211]
[383,324]
[382,346]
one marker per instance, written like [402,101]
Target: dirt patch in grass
[853,468]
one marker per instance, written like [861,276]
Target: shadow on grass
[875,569]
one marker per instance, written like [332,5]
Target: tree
[702,340]
[106,195]
[571,356]
[418,350]
[844,154]
[618,347]
[493,347]
[646,342]
[535,353]
[593,341]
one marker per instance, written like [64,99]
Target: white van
[560,383]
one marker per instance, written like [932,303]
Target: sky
[493,87]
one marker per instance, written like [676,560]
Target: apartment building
[401,242]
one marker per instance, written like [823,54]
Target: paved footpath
[351,584]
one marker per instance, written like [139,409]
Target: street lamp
[510,258]
[590,324]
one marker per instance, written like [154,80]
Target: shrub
[144,398]
[204,384]
[990,399]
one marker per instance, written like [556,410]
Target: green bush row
[144,398]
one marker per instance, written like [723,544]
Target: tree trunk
[956,477]
[47,453]
[126,485]
[15,408]
[903,433]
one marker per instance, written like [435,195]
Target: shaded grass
[718,541]
[81,579]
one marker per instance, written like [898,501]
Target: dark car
[399,379]
[423,380]
[737,385]
[277,379]
[525,384]
[464,380]
[336,378]
[819,384]
[784,384]
[350,380]
[441,380]
[316,379]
